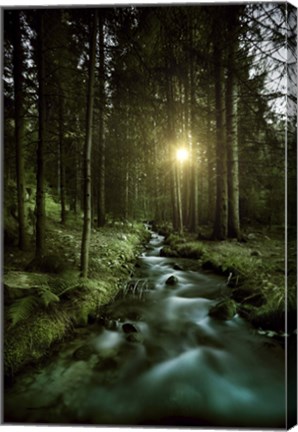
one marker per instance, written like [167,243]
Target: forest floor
[46,300]
[255,272]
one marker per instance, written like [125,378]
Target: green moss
[194,250]
[31,340]
[112,254]
[224,310]
[173,240]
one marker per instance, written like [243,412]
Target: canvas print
[149,215]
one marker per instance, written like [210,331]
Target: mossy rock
[172,280]
[224,310]
[129,328]
[168,252]
[190,250]
[21,284]
[173,240]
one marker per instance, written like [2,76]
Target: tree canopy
[137,84]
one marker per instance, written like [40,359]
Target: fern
[48,297]
[69,288]
[21,309]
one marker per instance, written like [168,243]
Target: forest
[120,123]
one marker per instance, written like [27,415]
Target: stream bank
[255,270]
[45,306]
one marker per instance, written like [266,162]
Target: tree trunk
[101,213]
[194,217]
[232,140]
[211,157]
[40,175]
[75,190]
[171,141]
[87,152]
[220,228]
[126,194]
[19,126]
[61,157]
[179,197]
[157,180]
[233,170]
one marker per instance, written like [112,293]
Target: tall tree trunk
[75,190]
[210,157]
[126,194]
[179,197]
[233,170]
[87,151]
[19,126]
[188,125]
[220,228]
[157,180]
[61,157]
[232,137]
[40,175]
[101,214]
[171,141]
[194,219]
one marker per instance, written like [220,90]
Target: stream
[157,358]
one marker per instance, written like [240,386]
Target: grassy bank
[46,300]
[255,272]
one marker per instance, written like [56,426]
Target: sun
[182,154]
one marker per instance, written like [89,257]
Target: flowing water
[157,358]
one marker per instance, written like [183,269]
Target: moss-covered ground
[261,282]
[46,300]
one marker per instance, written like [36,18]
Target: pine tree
[88,147]
[19,124]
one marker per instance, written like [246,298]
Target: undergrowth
[53,303]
